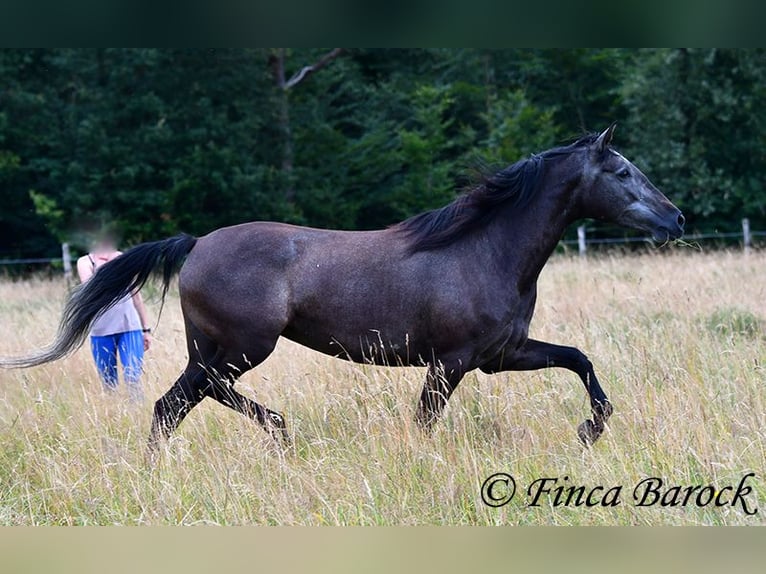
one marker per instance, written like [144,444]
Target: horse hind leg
[220,387]
[187,392]
[273,422]
[215,380]
[173,406]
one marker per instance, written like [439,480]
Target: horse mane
[513,186]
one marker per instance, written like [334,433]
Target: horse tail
[118,278]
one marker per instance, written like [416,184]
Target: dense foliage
[161,141]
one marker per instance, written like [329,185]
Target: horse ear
[605,138]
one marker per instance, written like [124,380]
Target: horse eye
[623,173]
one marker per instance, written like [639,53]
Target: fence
[582,243]
[746,235]
[66,259]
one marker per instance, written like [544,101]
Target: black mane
[514,186]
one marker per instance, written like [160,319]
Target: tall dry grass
[677,340]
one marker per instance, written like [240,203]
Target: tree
[697,120]
[161,141]
[283,85]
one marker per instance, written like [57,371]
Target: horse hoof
[588,433]
[277,420]
[275,424]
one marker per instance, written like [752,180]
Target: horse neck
[525,238]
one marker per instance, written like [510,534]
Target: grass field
[677,338]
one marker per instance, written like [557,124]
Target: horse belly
[368,345]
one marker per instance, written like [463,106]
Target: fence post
[746,236]
[581,240]
[66,257]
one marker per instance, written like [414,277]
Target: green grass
[689,403]
[735,322]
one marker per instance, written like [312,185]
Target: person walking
[122,330]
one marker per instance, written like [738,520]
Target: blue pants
[130,346]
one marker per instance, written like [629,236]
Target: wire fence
[65,260]
[582,242]
[746,235]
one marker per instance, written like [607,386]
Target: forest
[151,142]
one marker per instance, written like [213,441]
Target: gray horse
[451,289]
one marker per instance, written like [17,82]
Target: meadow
[675,335]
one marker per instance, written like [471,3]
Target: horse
[452,289]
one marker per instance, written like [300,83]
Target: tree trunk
[277,63]
[283,85]
[688,112]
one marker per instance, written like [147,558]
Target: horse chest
[512,336]
[508,331]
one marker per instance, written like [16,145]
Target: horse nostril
[681,220]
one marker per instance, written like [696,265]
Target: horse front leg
[441,382]
[535,355]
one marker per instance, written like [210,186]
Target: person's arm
[84,268]
[138,303]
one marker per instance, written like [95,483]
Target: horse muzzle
[671,227]
[664,222]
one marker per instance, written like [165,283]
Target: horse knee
[579,361]
[584,364]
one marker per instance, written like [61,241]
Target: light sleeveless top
[121,318]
